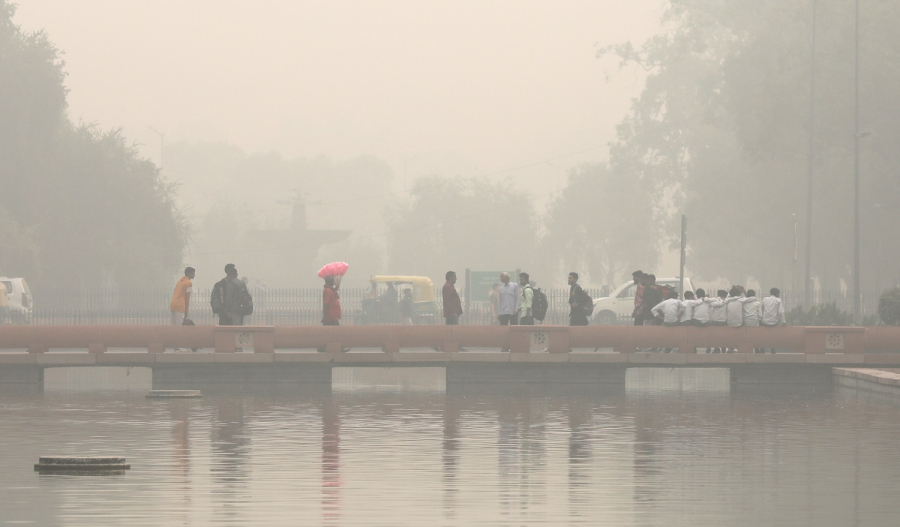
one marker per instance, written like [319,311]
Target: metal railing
[303,306]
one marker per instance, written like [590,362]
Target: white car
[21,302]
[619,304]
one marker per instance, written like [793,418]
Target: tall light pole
[162,144]
[856,269]
[807,283]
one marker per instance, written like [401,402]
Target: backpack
[539,304]
[669,292]
[217,300]
[587,303]
[246,302]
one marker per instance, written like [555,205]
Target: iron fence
[271,306]
[303,306]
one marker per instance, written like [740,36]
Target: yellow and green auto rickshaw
[381,304]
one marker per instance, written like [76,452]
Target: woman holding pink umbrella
[331,303]
[331,299]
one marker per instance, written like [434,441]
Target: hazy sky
[457,87]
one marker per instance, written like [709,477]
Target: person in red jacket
[331,303]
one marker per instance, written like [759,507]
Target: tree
[454,224]
[602,223]
[720,132]
[79,201]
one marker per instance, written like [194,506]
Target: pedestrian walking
[452,303]
[526,317]
[181,297]
[331,303]
[237,301]
[508,304]
[577,298]
[638,313]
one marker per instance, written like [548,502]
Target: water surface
[673,448]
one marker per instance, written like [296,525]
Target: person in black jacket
[652,296]
[577,316]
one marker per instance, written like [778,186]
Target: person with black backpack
[580,303]
[231,300]
[526,316]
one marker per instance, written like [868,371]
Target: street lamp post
[807,283]
[856,135]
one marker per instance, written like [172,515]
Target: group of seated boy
[733,308]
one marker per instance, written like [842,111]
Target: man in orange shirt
[181,298]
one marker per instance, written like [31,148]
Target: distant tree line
[721,133]
[78,206]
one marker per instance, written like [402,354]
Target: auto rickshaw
[381,303]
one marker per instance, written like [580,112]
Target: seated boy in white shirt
[687,316]
[772,310]
[669,311]
[700,316]
[751,309]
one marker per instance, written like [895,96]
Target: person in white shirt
[700,316]
[734,309]
[687,316]
[772,309]
[669,311]
[751,309]
[717,309]
[717,315]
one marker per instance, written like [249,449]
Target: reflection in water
[331,461]
[450,456]
[579,496]
[639,457]
[230,448]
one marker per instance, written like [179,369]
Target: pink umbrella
[334,269]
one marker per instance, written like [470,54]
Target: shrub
[889,307]
[821,315]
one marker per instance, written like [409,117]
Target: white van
[21,302]
[619,304]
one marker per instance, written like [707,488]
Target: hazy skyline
[466,88]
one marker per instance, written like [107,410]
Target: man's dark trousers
[508,320]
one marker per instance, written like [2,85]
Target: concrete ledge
[126,358]
[836,358]
[367,358]
[467,356]
[717,358]
[244,358]
[67,359]
[779,358]
[595,358]
[184,358]
[642,357]
[437,356]
[539,357]
[303,357]
[871,380]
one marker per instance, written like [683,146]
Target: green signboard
[482,282]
